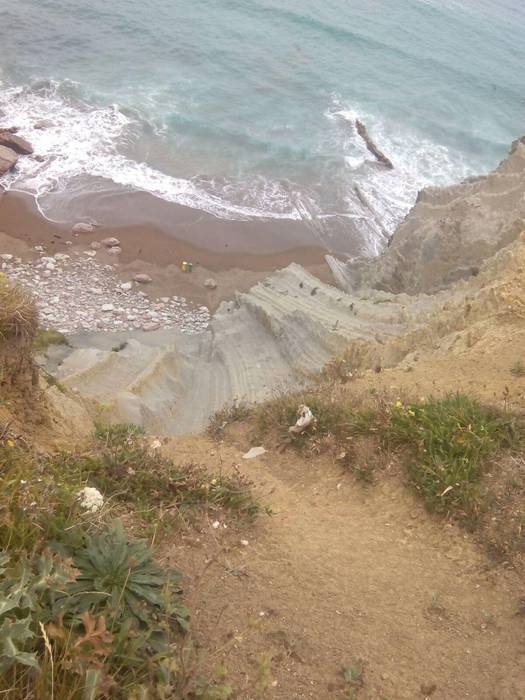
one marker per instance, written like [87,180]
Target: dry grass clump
[18,314]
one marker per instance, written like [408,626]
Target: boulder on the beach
[110,242]
[114,250]
[95,245]
[210,283]
[142,278]
[15,143]
[82,227]
[8,159]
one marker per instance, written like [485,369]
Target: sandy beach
[155,237]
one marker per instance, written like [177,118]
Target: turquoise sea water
[246,107]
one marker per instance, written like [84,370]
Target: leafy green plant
[119,578]
[28,592]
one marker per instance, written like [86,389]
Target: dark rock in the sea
[142,278]
[8,159]
[43,124]
[82,227]
[15,143]
[374,150]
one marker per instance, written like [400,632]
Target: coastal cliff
[445,278]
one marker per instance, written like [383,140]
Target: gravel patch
[76,293]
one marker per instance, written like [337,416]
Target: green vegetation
[336,416]
[85,610]
[444,443]
[518,369]
[43,339]
[236,411]
[450,441]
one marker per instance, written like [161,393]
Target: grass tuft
[236,411]
[44,338]
[18,314]
[518,369]
[451,440]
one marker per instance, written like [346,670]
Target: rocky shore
[77,293]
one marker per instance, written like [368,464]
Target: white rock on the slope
[210,283]
[83,228]
[90,499]
[305,420]
[6,256]
[254,452]
[107,307]
[126,286]
[142,278]
[95,245]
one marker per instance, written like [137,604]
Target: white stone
[6,256]
[254,452]
[83,228]
[142,278]
[126,286]
[110,242]
[115,250]
[107,307]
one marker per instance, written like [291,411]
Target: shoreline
[219,249]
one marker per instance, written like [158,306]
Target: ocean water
[246,108]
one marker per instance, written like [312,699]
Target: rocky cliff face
[452,275]
[448,234]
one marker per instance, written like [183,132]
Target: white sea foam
[385,196]
[84,141]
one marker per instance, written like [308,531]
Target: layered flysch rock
[272,337]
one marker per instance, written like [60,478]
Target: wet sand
[157,236]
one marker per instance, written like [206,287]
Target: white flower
[90,498]
[215,525]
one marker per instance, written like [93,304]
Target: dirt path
[344,574]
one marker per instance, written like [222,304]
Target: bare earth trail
[343,573]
